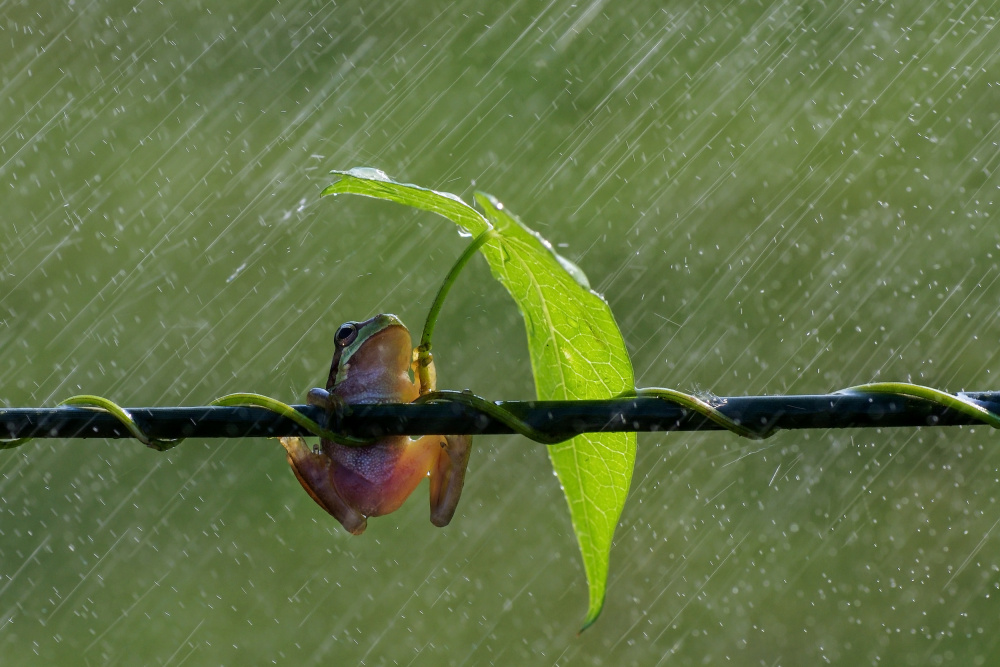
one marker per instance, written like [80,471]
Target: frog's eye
[346,334]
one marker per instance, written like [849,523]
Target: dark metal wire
[841,410]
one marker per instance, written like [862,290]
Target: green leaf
[577,352]
[374,183]
[576,349]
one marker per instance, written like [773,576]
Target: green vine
[515,423]
[424,356]
[229,400]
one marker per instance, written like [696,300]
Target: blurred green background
[773,197]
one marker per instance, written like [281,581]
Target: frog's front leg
[448,477]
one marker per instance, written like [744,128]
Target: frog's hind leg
[315,473]
[448,477]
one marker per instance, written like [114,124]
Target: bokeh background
[773,197]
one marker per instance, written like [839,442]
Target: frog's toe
[315,473]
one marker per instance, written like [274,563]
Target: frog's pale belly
[376,479]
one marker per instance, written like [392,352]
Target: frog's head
[382,342]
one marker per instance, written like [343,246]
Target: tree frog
[373,363]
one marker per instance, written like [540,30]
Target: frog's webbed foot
[448,477]
[315,472]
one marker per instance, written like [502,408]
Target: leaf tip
[592,614]
[361,173]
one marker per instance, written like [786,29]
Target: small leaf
[576,349]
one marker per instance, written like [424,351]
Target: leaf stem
[424,356]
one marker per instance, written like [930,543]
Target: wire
[457,413]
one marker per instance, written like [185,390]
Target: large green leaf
[576,349]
